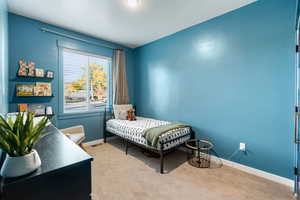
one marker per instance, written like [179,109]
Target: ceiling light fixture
[133,3]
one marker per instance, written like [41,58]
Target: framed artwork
[50,74]
[49,110]
[42,89]
[39,72]
[22,107]
[24,90]
[37,109]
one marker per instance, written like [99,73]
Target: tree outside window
[85,81]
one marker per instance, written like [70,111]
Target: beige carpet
[116,176]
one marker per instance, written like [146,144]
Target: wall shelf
[34,96]
[34,78]
[45,115]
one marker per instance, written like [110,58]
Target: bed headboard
[109,114]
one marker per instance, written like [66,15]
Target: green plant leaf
[10,122]
[18,137]
[3,123]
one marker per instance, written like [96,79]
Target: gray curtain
[120,85]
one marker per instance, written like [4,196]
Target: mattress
[133,130]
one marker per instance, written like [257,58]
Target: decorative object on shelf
[22,68]
[23,107]
[31,69]
[24,90]
[49,110]
[21,158]
[50,74]
[42,89]
[37,109]
[39,73]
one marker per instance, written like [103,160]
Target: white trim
[93,142]
[257,172]
[253,171]
[86,54]
[99,141]
[250,170]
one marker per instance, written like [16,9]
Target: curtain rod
[79,39]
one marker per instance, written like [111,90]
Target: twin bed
[132,132]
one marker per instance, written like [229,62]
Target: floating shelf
[33,96]
[34,77]
[45,115]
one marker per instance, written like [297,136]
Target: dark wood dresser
[65,172]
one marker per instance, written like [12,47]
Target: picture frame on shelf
[39,73]
[49,110]
[24,90]
[37,109]
[22,107]
[42,89]
[50,74]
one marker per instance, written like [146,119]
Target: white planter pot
[22,165]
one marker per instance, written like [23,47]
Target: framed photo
[22,107]
[37,109]
[42,89]
[24,90]
[50,74]
[49,110]
[39,72]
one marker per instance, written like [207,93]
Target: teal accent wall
[3,58]
[27,42]
[232,79]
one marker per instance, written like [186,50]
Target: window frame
[89,111]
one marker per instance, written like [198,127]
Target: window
[86,81]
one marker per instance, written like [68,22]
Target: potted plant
[17,139]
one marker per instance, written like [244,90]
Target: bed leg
[126,147]
[104,137]
[161,162]
[193,136]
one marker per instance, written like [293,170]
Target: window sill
[80,114]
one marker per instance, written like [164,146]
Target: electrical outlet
[243,146]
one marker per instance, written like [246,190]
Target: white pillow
[120,111]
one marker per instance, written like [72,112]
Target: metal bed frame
[162,152]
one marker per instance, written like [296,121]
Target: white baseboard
[99,141]
[93,142]
[257,172]
[250,170]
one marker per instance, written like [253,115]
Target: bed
[132,132]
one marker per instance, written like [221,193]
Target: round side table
[199,155]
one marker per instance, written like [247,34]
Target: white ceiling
[115,21]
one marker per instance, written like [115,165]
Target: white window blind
[86,81]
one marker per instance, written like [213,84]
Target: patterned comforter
[133,130]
